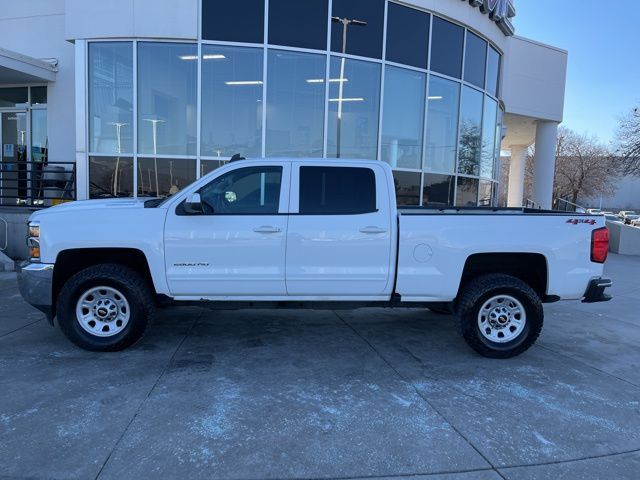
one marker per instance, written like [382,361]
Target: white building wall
[36,28]
[132,18]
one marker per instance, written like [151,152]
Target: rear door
[339,237]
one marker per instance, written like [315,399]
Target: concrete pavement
[321,394]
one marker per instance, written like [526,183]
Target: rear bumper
[595,291]
[35,281]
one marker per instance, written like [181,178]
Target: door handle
[373,230]
[267,229]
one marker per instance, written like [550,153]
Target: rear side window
[337,190]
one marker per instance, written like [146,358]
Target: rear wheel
[500,315]
[105,307]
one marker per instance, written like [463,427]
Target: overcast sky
[603,40]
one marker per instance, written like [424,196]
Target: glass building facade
[368,79]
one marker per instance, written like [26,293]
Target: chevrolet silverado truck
[292,233]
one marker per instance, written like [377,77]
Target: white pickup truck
[307,233]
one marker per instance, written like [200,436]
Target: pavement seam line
[453,427]
[560,462]
[20,328]
[582,362]
[395,475]
[144,400]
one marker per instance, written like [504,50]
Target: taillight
[600,245]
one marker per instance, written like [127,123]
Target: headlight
[33,242]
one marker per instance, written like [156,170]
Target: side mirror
[193,204]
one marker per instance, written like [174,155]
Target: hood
[85,205]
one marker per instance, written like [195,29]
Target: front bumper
[595,291]
[35,281]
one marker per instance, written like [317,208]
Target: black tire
[483,288]
[125,280]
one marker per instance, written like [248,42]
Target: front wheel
[500,315]
[105,307]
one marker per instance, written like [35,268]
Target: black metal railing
[37,184]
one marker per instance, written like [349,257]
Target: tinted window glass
[403,114]
[475,60]
[470,132]
[442,125]
[407,188]
[438,190]
[337,190]
[364,40]
[161,177]
[299,23]
[485,197]
[407,35]
[9,97]
[167,84]
[231,101]
[251,190]
[493,71]
[467,192]
[233,21]
[446,49]
[110,177]
[295,95]
[38,95]
[354,105]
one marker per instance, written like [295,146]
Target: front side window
[245,191]
[337,191]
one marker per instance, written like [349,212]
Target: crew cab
[307,233]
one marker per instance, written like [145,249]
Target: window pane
[363,40]
[167,98]
[231,101]
[251,190]
[354,104]
[438,190]
[402,118]
[110,177]
[488,137]
[10,97]
[208,166]
[162,177]
[38,95]
[467,192]
[233,21]
[111,97]
[486,193]
[295,96]
[475,60]
[493,72]
[337,190]
[496,168]
[446,48]
[442,125]
[299,23]
[470,132]
[407,188]
[407,35]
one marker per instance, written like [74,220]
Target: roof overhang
[17,69]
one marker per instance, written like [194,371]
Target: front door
[236,247]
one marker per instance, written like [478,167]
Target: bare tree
[584,167]
[628,143]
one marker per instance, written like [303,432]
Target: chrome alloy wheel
[103,311]
[502,318]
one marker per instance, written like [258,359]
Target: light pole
[345,27]
[154,123]
[118,126]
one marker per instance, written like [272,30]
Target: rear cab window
[325,190]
